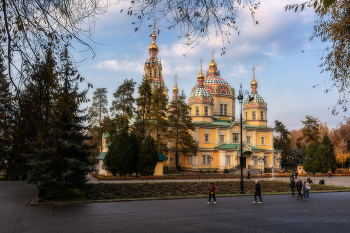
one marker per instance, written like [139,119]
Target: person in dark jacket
[299,186]
[292,186]
[248,175]
[257,192]
[212,193]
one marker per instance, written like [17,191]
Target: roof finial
[154,27]
[253,71]
[212,54]
[175,79]
[201,63]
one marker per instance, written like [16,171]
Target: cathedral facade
[217,131]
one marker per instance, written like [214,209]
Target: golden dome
[200,75]
[175,89]
[153,46]
[213,63]
[254,82]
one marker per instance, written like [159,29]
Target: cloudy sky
[285,75]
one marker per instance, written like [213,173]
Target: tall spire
[175,89]
[200,77]
[254,83]
[153,48]
[212,65]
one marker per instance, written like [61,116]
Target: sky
[286,76]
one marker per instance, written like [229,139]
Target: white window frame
[233,138]
[263,141]
[228,160]
[206,137]
[206,160]
[250,139]
[222,138]
[189,160]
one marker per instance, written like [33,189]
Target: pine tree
[6,116]
[119,158]
[310,130]
[159,123]
[310,154]
[135,140]
[180,123]
[98,111]
[148,156]
[282,141]
[71,161]
[324,160]
[143,106]
[124,100]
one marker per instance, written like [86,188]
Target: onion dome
[257,98]
[153,46]
[199,93]
[175,89]
[254,82]
[213,64]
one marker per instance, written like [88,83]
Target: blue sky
[285,75]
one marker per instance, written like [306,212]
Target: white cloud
[124,65]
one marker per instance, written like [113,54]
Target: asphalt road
[327,212]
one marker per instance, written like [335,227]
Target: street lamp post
[273,164]
[240,98]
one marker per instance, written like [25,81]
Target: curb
[170,198]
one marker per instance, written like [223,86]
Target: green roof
[257,126]
[102,155]
[236,146]
[161,157]
[105,135]
[228,146]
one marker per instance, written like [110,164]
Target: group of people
[256,194]
[301,187]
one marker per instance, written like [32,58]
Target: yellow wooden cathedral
[217,131]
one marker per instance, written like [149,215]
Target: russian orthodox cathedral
[217,130]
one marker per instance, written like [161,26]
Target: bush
[215,171]
[200,171]
[208,171]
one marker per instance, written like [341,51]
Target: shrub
[208,171]
[200,171]
[215,171]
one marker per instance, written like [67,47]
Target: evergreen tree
[180,123]
[72,161]
[119,157]
[143,106]
[148,156]
[123,103]
[282,141]
[324,160]
[6,116]
[310,130]
[310,154]
[98,111]
[135,140]
[296,157]
[159,123]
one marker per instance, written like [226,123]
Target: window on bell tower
[206,111]
[197,111]
[253,115]
[261,115]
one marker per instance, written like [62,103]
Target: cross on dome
[253,71]
[212,53]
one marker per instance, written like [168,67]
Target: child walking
[212,193]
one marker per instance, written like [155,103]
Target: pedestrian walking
[306,188]
[329,173]
[296,175]
[248,175]
[299,187]
[257,191]
[212,193]
[292,186]
[290,176]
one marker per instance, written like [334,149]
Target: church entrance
[244,162]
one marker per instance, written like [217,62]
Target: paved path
[326,212]
[335,180]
